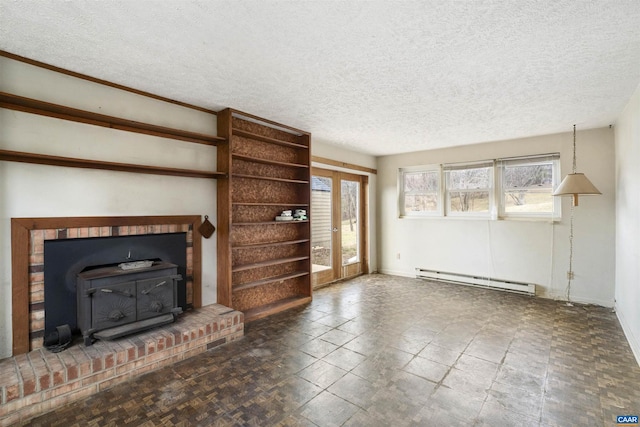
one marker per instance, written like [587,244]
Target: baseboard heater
[471,280]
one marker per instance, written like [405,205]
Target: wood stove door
[113,305]
[156,296]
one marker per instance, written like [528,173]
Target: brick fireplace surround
[35,380]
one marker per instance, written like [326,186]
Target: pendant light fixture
[574,184]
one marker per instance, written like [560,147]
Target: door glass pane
[350,201]
[321,223]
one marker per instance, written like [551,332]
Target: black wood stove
[119,300]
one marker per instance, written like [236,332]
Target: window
[518,187]
[469,189]
[527,184]
[420,191]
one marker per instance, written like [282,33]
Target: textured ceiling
[379,77]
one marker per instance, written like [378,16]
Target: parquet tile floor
[388,351]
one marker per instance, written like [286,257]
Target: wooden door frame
[337,269]
[332,274]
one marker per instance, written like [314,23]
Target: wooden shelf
[275,307]
[268,263]
[34,106]
[269,244]
[268,280]
[45,159]
[257,137]
[269,178]
[267,162]
[270,222]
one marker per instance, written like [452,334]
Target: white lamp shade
[574,184]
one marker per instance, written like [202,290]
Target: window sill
[482,218]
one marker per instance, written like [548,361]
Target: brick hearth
[39,381]
[36,263]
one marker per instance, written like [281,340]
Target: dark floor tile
[408,344]
[532,382]
[527,362]
[461,330]
[390,406]
[488,352]
[344,358]
[354,389]
[296,391]
[467,381]
[332,320]
[427,369]
[456,404]
[436,416]
[372,351]
[383,364]
[498,332]
[451,342]
[291,361]
[326,409]
[534,344]
[495,415]
[439,354]
[420,333]
[318,348]
[481,367]
[515,399]
[354,327]
[560,414]
[411,387]
[337,337]
[322,374]
[361,418]
[314,329]
[313,315]
[296,420]
[374,372]
[471,373]
[365,344]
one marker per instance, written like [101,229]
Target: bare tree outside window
[349,203]
[516,187]
[350,195]
[469,189]
[528,187]
[421,191]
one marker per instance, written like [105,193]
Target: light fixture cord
[570,275]
[574,148]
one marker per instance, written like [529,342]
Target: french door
[338,225]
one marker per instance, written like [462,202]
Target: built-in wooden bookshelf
[264,265]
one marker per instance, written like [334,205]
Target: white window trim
[556,215]
[497,209]
[422,214]
[491,189]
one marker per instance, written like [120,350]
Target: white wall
[340,154]
[627,142]
[28,190]
[529,251]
